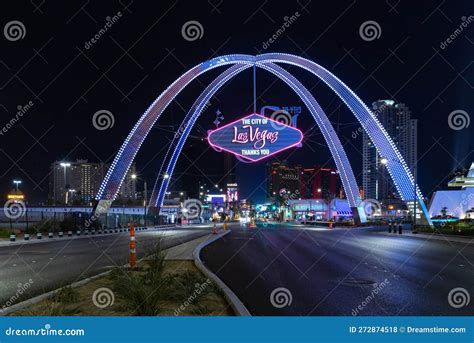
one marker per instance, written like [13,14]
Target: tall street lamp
[134,177]
[16,182]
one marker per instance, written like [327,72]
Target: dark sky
[144,51]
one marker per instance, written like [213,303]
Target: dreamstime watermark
[103,120]
[281,116]
[14,209]
[185,125]
[199,289]
[459,297]
[370,30]
[458,210]
[287,196]
[192,30]
[371,207]
[21,289]
[192,209]
[100,210]
[45,331]
[110,21]
[14,30]
[375,113]
[103,297]
[21,111]
[464,24]
[181,130]
[281,297]
[288,21]
[370,297]
[458,120]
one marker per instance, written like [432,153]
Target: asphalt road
[342,272]
[60,262]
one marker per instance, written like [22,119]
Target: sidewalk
[435,236]
[185,251]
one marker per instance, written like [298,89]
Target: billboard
[254,137]
[232,192]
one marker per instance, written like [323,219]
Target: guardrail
[86,232]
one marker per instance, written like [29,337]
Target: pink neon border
[245,157]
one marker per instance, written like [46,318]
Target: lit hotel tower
[397,121]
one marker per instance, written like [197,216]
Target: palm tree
[444,211]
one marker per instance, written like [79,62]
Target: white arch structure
[397,167]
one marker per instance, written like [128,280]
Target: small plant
[66,295]
[142,292]
[68,224]
[200,310]
[183,285]
[43,226]
[52,309]
[4,233]
[145,291]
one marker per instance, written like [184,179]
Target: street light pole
[144,203]
[415,202]
[17,182]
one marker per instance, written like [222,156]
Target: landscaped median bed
[459,228]
[158,287]
[4,233]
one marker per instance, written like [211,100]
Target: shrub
[66,295]
[42,226]
[142,292]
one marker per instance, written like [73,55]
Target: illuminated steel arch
[329,134]
[176,145]
[397,168]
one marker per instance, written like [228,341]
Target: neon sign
[15,197]
[254,137]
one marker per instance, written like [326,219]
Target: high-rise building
[78,182]
[397,121]
[128,189]
[282,177]
[319,183]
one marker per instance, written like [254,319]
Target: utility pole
[144,203]
[415,202]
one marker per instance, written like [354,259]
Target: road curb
[47,295]
[7,243]
[234,301]
[432,237]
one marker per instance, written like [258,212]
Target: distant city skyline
[77,182]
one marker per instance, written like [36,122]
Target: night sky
[68,79]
